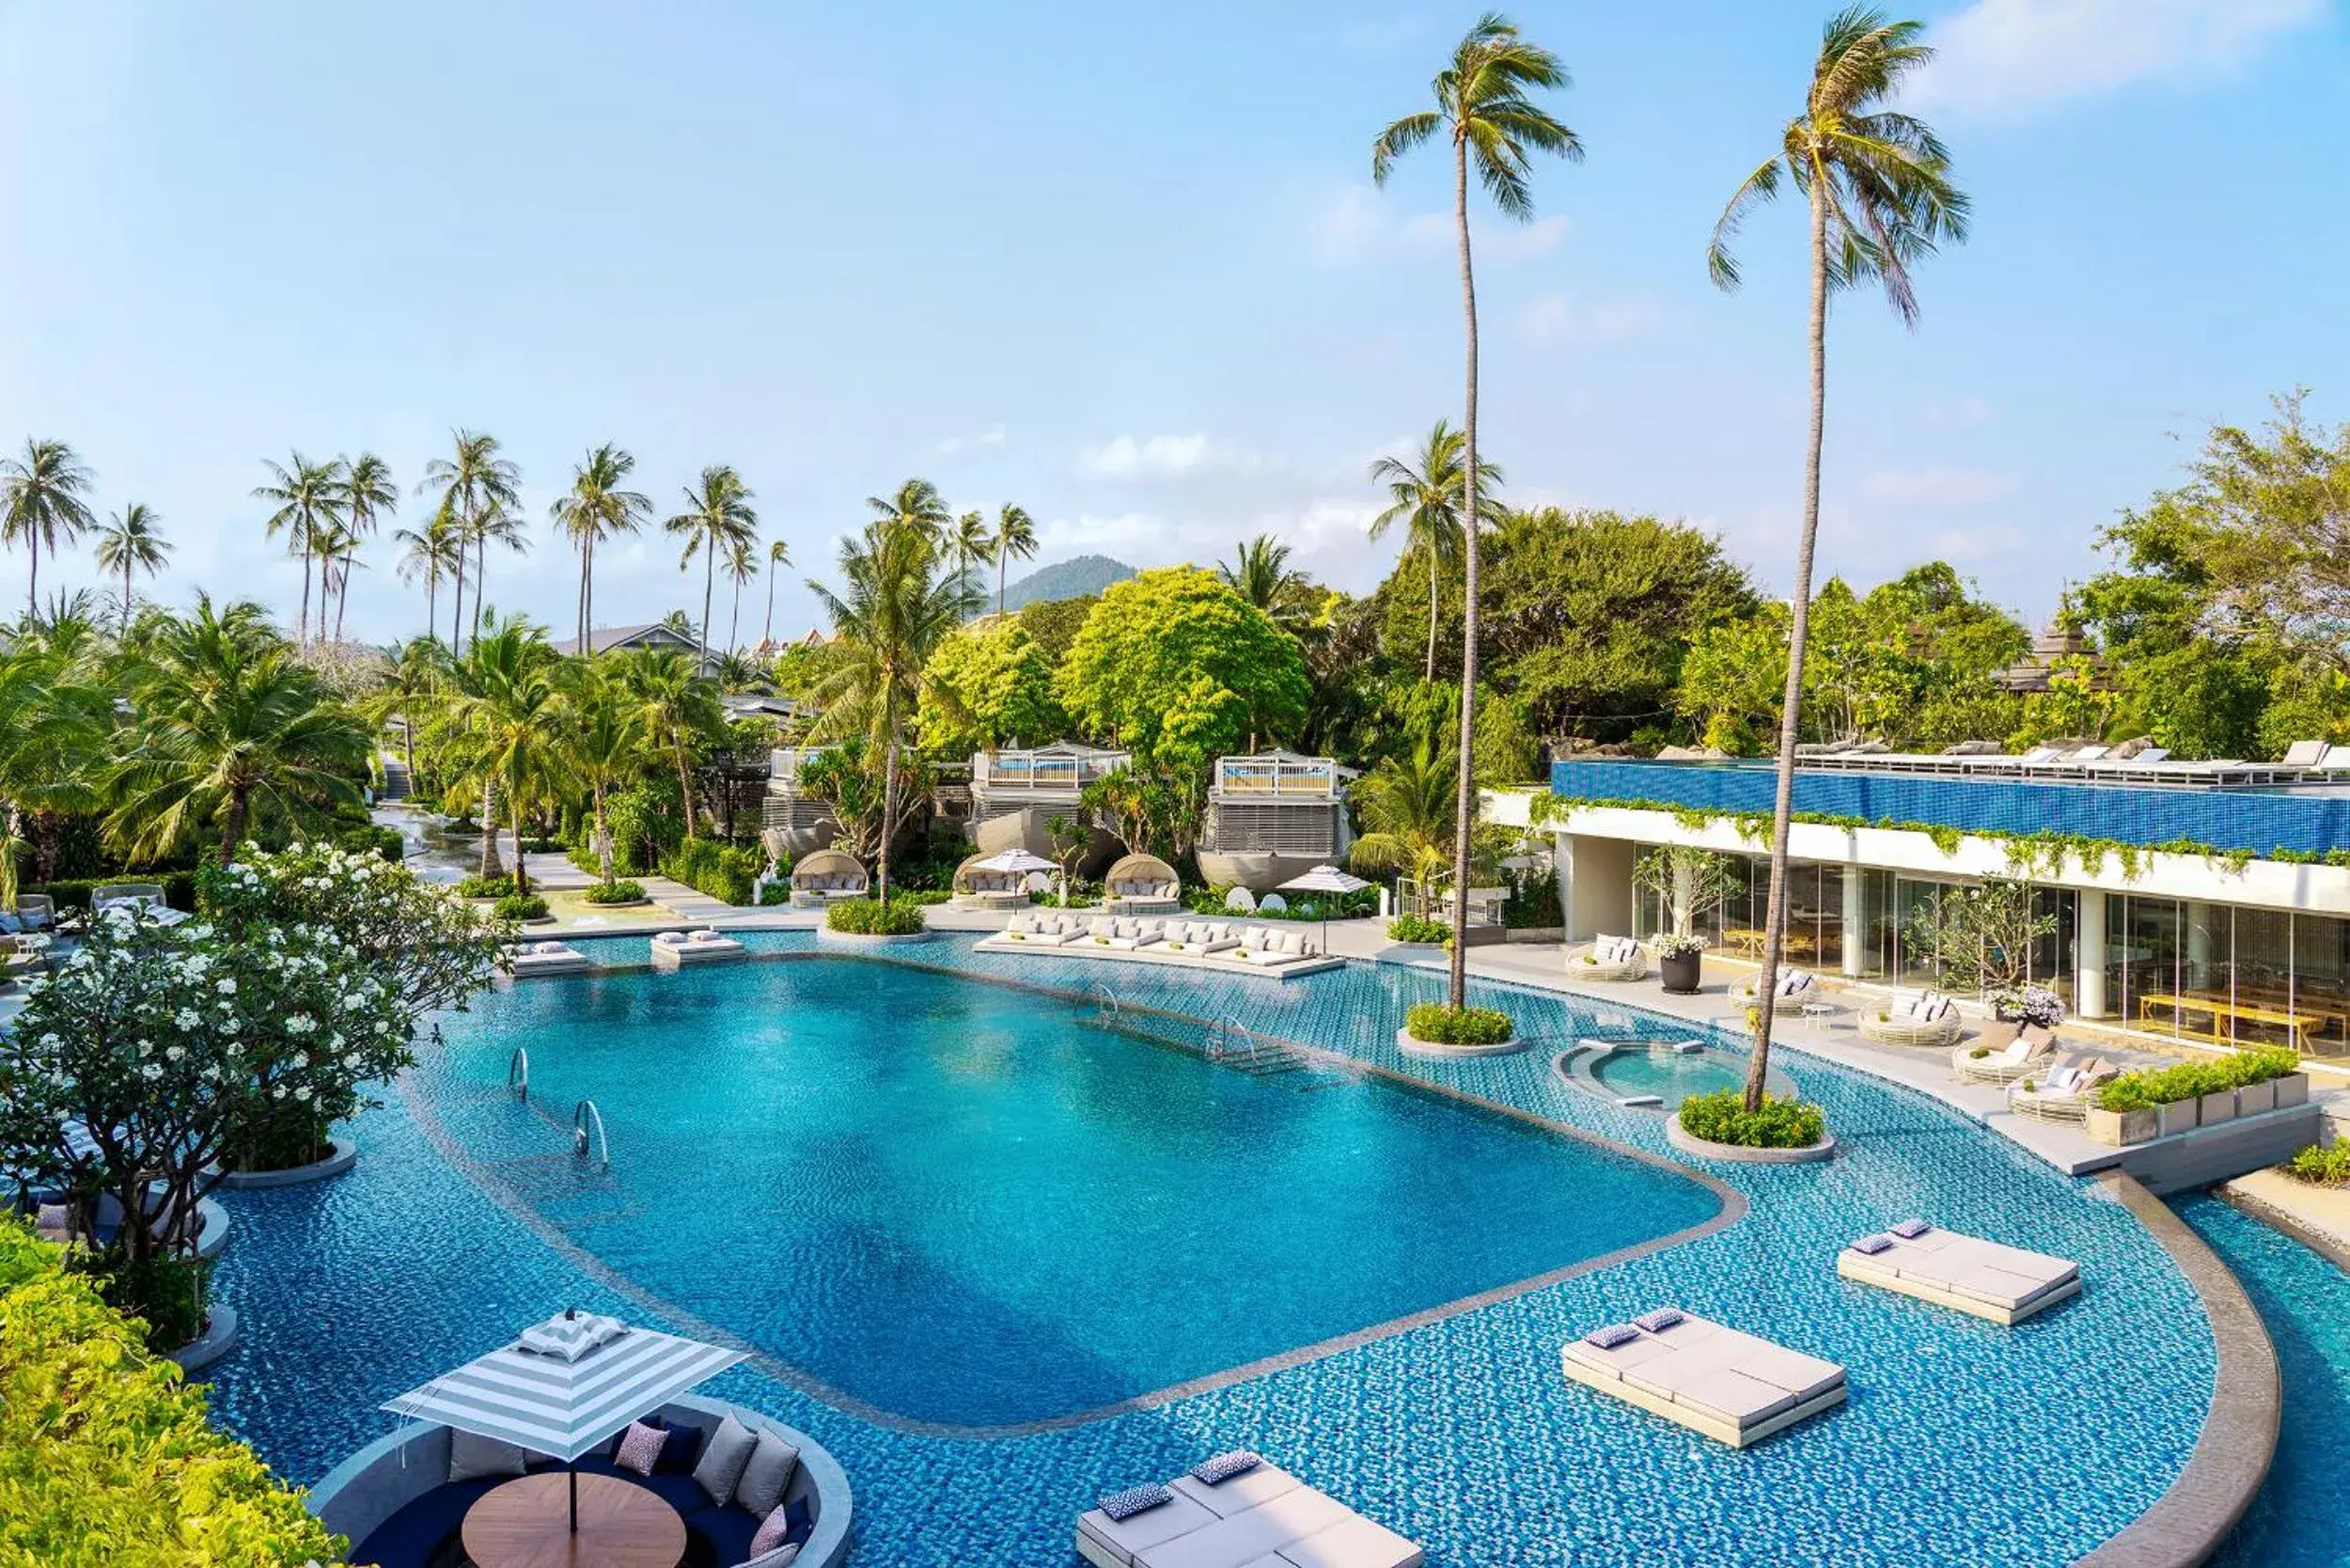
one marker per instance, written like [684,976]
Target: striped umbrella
[1324,879]
[565,1385]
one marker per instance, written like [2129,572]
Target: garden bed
[345,1155]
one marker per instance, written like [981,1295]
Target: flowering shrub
[110,1458]
[2028,1004]
[1679,946]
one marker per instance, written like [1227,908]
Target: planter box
[1739,1154]
[2215,1108]
[2120,1129]
[2177,1117]
[346,1154]
[2292,1089]
[1430,1050]
[2252,1099]
[1681,972]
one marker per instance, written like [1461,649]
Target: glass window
[2051,962]
[2261,991]
[2144,958]
[2320,981]
[1831,921]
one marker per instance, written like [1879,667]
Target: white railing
[1062,772]
[1311,778]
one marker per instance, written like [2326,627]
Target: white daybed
[1260,1517]
[546,958]
[1610,958]
[1925,1018]
[1732,1387]
[2005,1284]
[678,949]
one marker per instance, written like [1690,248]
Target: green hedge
[724,871]
[1441,1024]
[520,906]
[178,888]
[618,892]
[109,1457]
[1411,928]
[384,841]
[901,916]
[2150,1087]
[1722,1117]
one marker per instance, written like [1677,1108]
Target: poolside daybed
[393,1500]
[1195,944]
[824,875]
[546,958]
[1732,1387]
[1141,885]
[2004,1060]
[1610,958]
[2005,1284]
[1926,1019]
[1257,1516]
[2061,1093]
[979,888]
[1795,987]
[679,950]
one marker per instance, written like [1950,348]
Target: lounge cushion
[779,1557]
[1248,1534]
[1250,1489]
[727,1450]
[1153,1526]
[471,1457]
[767,1475]
[1353,1542]
[409,1538]
[728,1531]
[681,1492]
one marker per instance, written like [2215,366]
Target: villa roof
[603,639]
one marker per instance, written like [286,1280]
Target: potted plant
[2121,1116]
[2027,1004]
[1681,961]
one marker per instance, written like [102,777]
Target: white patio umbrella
[1019,860]
[1324,879]
[562,1400]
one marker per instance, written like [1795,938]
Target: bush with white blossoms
[148,1053]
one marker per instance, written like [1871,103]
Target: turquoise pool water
[959,1203]
[1672,1076]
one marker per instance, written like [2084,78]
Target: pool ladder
[518,1074]
[1105,1004]
[1233,1043]
[588,1134]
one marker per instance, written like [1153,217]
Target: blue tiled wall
[2225,820]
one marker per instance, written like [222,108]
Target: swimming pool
[966,1205]
[1460,1434]
[1662,1074]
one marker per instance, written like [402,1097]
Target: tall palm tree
[1481,103]
[1406,807]
[309,498]
[1877,184]
[719,520]
[230,728]
[133,540]
[368,497]
[478,488]
[508,725]
[968,540]
[1016,540]
[1427,495]
[435,551]
[778,556]
[606,748]
[1260,572]
[897,603]
[44,488]
[598,506]
[676,708]
[918,504]
[741,566]
[501,525]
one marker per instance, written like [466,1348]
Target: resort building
[1273,815]
[1015,794]
[804,822]
[659,635]
[2208,900]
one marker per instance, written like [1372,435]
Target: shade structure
[563,1408]
[1016,861]
[1324,879]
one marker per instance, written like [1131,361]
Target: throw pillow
[640,1448]
[684,1446]
[728,1450]
[782,1557]
[472,1457]
[1135,1500]
[769,1471]
[770,1533]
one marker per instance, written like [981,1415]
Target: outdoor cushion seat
[1353,1542]
[1249,1489]
[1237,1541]
[414,1534]
[681,1492]
[1120,1538]
[728,1531]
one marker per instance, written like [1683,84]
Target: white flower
[150,1070]
[301,1023]
[303,1093]
[277,1092]
[302,1059]
[228,987]
[187,1018]
[173,1053]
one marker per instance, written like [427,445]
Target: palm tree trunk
[1000,553]
[1433,562]
[491,866]
[767,636]
[586,565]
[232,824]
[1465,797]
[521,869]
[126,598]
[457,611]
[1798,629]
[710,580]
[685,786]
[302,631]
[480,586]
[889,807]
[432,606]
[32,584]
[734,622]
[603,839]
[342,595]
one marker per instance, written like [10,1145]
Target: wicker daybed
[1923,1018]
[1141,885]
[822,876]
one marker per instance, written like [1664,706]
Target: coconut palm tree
[606,745]
[131,541]
[309,498]
[1481,103]
[230,728]
[1426,493]
[598,506]
[1406,807]
[778,556]
[1876,183]
[368,497]
[44,488]
[677,709]
[510,728]
[435,551]
[896,605]
[478,489]
[717,520]
[1260,572]
[1016,540]
[741,566]
[969,539]
[916,504]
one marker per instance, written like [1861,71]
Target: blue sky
[1124,265]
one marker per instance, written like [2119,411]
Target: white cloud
[1557,317]
[1126,457]
[956,445]
[2010,56]
[1359,225]
[1936,487]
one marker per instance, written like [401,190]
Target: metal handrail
[1105,1004]
[583,1116]
[518,1072]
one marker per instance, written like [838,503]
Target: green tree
[599,506]
[1406,805]
[1482,103]
[229,730]
[1261,573]
[435,551]
[1428,494]
[509,725]
[368,497]
[718,521]
[741,566]
[1878,188]
[1016,540]
[131,541]
[45,490]
[606,747]
[678,709]
[969,542]
[477,488]
[1056,623]
[990,686]
[309,498]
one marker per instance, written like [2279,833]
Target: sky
[1126,266]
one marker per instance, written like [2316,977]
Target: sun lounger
[1610,958]
[2028,1051]
[547,958]
[1730,1386]
[2062,1092]
[1795,987]
[2005,1284]
[1925,1018]
[1262,1518]
[673,949]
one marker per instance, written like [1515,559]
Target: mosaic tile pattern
[1963,1440]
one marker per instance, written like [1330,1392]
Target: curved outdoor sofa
[824,875]
[389,1497]
[1141,885]
[978,887]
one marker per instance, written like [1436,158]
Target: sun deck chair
[2005,1284]
[2030,1051]
[1925,1018]
[1795,987]
[1255,1517]
[1281,950]
[2064,1090]
[1730,1386]
[1610,958]
[2303,754]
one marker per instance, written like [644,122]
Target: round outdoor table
[527,1524]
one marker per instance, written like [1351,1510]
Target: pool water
[961,1204]
[1672,1076]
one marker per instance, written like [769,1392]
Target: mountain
[1069,579]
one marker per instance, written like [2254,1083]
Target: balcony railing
[784,764]
[1058,773]
[1257,779]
